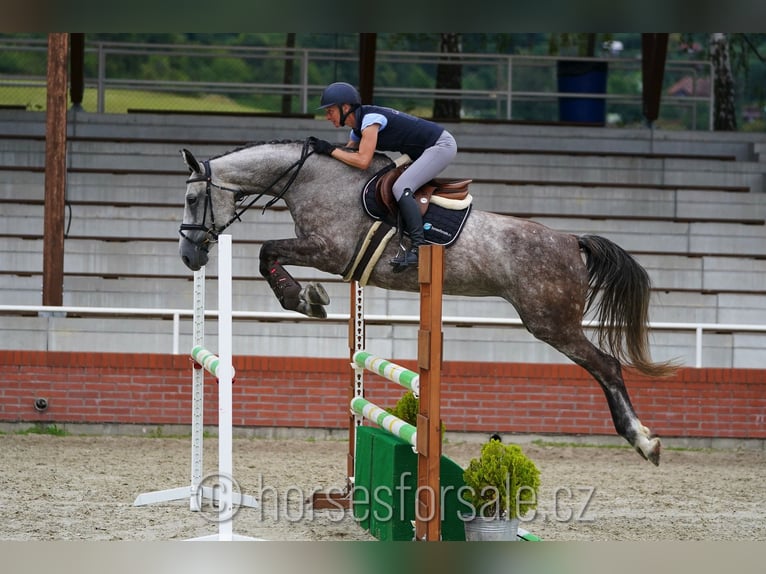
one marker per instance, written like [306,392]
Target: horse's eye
[191,200]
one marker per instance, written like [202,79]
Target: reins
[212,232]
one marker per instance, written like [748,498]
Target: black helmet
[340,93]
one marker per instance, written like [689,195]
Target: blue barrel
[582,77]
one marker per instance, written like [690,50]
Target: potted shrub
[500,487]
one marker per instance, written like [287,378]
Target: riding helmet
[340,93]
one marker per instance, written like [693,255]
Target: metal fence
[124,77]
[179,315]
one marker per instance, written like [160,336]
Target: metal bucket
[487,529]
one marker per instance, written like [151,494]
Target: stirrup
[404,260]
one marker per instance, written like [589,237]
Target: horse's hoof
[652,453]
[315,294]
[313,311]
[318,312]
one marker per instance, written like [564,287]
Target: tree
[724,114]
[449,76]
[287,76]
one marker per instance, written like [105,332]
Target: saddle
[448,189]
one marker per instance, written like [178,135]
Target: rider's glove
[321,146]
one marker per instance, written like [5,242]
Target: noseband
[211,232]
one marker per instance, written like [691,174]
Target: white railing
[372,319]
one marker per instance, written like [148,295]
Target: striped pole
[198,390]
[391,371]
[389,422]
[225,373]
[209,361]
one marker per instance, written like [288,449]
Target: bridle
[211,232]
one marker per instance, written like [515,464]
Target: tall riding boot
[413,224]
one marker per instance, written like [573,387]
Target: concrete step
[637,171]
[133,259]
[160,223]
[223,130]
[526,200]
[564,175]
[619,202]
[670,237]
[252,294]
[139,188]
[694,221]
[705,274]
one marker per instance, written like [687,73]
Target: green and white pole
[385,420]
[396,373]
[209,361]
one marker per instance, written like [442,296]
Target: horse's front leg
[309,300]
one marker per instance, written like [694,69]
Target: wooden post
[428,500]
[76,69]
[654,47]
[367,45]
[55,171]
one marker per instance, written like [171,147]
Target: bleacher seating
[689,205]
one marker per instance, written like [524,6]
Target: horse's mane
[264,142]
[255,144]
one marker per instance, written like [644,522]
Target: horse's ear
[190,161]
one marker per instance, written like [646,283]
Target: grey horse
[551,278]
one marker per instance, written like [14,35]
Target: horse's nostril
[185,259]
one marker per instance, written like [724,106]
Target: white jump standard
[222,494]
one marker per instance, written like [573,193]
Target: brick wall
[289,392]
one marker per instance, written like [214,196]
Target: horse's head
[206,213]
[216,189]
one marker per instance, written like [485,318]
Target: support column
[55,171]
[428,500]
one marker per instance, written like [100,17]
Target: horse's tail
[622,288]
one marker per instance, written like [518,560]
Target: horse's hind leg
[608,372]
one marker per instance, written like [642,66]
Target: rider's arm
[365,149]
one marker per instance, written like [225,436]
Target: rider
[428,144]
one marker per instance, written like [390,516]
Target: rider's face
[333,115]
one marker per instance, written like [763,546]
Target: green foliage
[747,53]
[503,481]
[42,428]
[406,408]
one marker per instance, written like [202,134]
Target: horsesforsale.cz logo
[431,227]
[210,495]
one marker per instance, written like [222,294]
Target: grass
[541,442]
[120,101]
[159,432]
[42,428]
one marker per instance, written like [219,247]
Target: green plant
[407,408]
[581,44]
[502,483]
[43,428]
